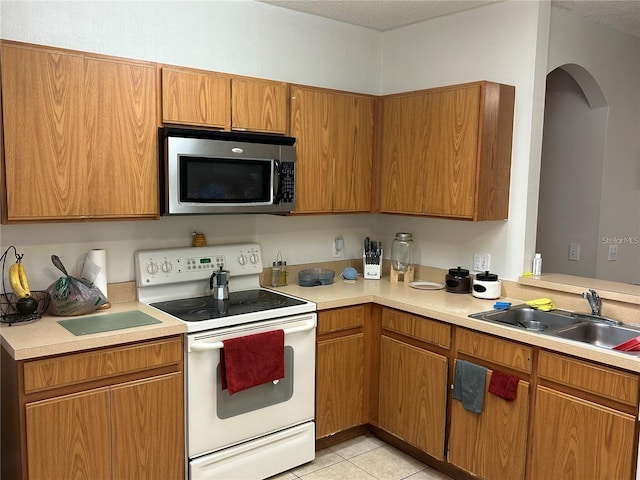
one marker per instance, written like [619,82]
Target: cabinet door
[44,142]
[451,152]
[148,429]
[574,439]
[491,445]
[339,384]
[195,98]
[122,139]
[311,125]
[259,105]
[69,437]
[353,152]
[404,153]
[413,393]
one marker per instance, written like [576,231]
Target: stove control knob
[166,266]
[253,258]
[242,259]
[152,268]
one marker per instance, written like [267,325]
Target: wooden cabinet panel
[69,437]
[452,122]
[340,319]
[78,368]
[574,439]
[589,377]
[494,350]
[195,98]
[148,429]
[121,139]
[339,384]
[334,145]
[43,106]
[353,115]
[491,445]
[259,105]
[311,125]
[417,327]
[413,393]
[404,153]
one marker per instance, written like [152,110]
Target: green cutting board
[107,322]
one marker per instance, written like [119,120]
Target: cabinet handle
[208,347]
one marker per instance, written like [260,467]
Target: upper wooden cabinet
[446,152]
[334,144]
[195,97]
[79,136]
[210,99]
[259,105]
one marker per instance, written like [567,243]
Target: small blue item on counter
[502,305]
[350,273]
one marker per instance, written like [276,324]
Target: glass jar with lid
[402,253]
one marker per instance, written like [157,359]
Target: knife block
[372,271]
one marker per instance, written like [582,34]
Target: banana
[18,280]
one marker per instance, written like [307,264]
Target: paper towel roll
[95,268]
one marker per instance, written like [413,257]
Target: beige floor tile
[388,463]
[357,446]
[339,471]
[428,474]
[284,476]
[324,458]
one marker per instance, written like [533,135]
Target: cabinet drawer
[589,377]
[77,368]
[340,319]
[417,327]
[494,350]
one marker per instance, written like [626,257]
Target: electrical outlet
[481,262]
[613,252]
[574,252]
[338,246]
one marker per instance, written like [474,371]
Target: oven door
[217,420]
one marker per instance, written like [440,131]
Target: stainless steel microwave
[209,172]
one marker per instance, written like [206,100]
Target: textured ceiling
[382,15]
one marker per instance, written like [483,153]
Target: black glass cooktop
[198,309]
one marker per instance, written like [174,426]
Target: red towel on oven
[252,360]
[503,385]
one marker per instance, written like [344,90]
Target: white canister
[486,285]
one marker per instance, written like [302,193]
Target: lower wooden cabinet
[114,413]
[575,439]
[491,445]
[413,395]
[340,370]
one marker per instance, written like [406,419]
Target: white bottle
[537,264]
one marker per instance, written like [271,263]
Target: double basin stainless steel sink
[598,331]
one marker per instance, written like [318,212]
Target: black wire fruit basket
[9,309]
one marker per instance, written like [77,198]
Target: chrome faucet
[595,302]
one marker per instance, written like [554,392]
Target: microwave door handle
[277,181]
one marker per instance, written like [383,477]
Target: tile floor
[362,458]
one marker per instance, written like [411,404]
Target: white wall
[613,59]
[498,43]
[504,42]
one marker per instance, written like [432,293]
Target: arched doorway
[573,146]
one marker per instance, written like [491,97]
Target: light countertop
[47,337]
[451,308]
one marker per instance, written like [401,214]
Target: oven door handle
[207,347]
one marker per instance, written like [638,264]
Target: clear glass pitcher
[402,253]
